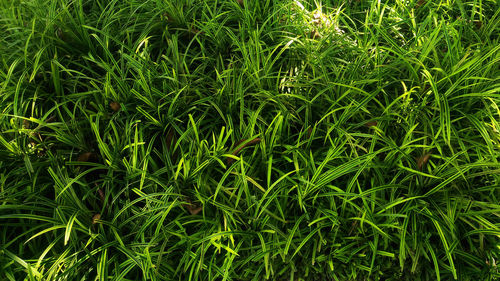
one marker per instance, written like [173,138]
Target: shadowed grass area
[249,140]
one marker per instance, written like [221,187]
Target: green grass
[219,140]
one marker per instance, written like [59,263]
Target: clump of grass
[249,140]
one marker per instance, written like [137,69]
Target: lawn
[249,140]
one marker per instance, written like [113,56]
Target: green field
[249,140]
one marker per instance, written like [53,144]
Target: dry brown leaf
[169,18]
[371,123]
[193,209]
[101,194]
[85,157]
[239,147]
[422,160]
[478,24]
[60,34]
[314,34]
[26,124]
[114,106]
[420,3]
[96,218]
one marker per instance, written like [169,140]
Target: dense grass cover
[249,140]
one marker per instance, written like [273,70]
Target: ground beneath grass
[249,140]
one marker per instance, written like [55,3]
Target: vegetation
[249,140]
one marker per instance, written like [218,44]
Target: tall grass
[249,140]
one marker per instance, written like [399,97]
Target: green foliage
[249,140]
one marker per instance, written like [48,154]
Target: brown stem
[239,146]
